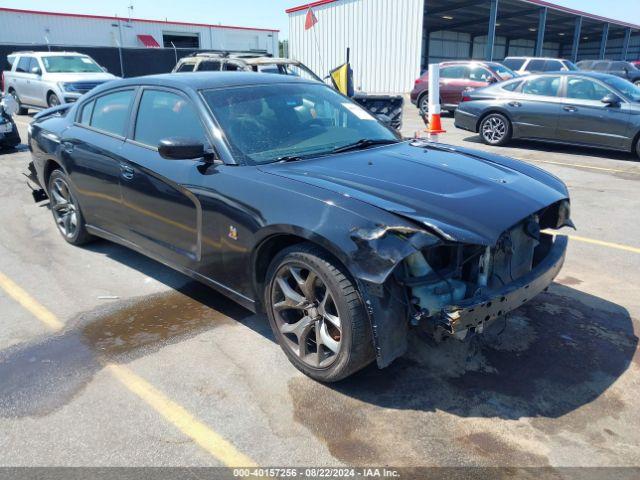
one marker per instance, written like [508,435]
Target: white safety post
[435,124]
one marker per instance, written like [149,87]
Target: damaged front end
[455,288]
[451,289]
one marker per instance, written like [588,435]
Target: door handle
[569,108]
[515,104]
[67,147]
[127,171]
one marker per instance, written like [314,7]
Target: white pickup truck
[47,79]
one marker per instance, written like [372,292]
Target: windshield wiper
[289,158]
[362,144]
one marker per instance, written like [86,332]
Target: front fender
[370,254]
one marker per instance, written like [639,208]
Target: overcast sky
[259,13]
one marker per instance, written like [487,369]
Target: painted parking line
[589,167]
[617,246]
[209,440]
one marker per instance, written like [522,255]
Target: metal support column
[603,42]
[577,31]
[491,34]
[625,44]
[542,25]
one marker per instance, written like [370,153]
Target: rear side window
[601,66]
[514,63]
[85,115]
[209,66]
[479,74]
[164,114]
[231,67]
[543,86]
[186,67]
[536,65]
[553,66]
[111,112]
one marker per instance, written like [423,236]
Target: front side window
[70,64]
[553,66]
[266,123]
[231,67]
[111,112]
[628,89]
[287,69]
[479,74]
[503,72]
[512,86]
[601,66]
[585,89]
[164,114]
[542,86]
[209,66]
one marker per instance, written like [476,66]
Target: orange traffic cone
[435,124]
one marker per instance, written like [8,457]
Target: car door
[535,108]
[453,81]
[92,148]
[586,120]
[22,82]
[38,88]
[163,215]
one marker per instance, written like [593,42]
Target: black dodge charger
[293,200]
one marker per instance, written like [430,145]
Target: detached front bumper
[477,311]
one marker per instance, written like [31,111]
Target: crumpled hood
[463,195]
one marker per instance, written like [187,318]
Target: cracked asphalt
[557,387]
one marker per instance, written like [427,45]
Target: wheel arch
[49,166]
[634,145]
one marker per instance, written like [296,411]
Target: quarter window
[543,86]
[111,112]
[164,114]
[186,67]
[583,89]
[85,116]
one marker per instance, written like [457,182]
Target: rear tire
[495,129]
[423,103]
[66,209]
[316,314]
[21,110]
[637,149]
[53,100]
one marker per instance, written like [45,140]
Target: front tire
[495,129]
[316,314]
[66,210]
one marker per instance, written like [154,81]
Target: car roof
[580,73]
[537,58]
[47,54]
[205,80]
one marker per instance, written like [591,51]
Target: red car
[455,78]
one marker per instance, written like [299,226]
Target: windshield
[268,123]
[70,64]
[503,72]
[627,88]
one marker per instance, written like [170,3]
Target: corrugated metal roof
[541,3]
[165,22]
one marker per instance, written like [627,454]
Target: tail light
[466,98]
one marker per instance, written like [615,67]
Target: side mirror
[36,71]
[104,69]
[9,105]
[611,100]
[179,148]
[492,80]
[384,119]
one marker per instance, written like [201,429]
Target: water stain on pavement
[552,366]
[39,378]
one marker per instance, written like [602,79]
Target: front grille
[84,87]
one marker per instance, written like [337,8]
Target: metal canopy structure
[577,34]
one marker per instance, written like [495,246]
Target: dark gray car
[580,108]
